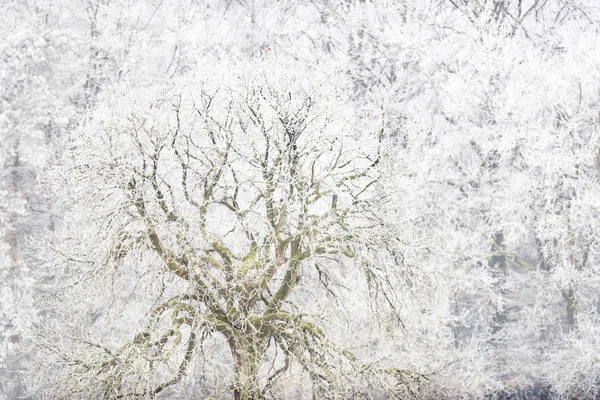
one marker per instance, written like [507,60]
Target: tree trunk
[569,293]
[246,351]
[571,305]
[498,264]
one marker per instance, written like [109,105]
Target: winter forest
[299,199]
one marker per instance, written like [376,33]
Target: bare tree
[219,195]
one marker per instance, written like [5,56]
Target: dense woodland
[299,199]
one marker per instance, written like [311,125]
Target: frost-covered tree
[33,111]
[199,210]
[507,155]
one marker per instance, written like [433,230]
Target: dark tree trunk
[570,303]
[498,264]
